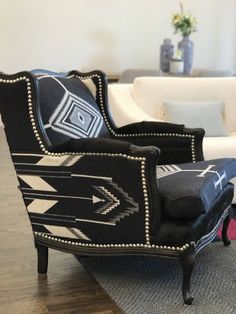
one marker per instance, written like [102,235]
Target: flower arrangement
[184,23]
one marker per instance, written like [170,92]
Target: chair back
[41,111]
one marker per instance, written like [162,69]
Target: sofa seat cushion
[189,190]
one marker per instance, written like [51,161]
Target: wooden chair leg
[187,259]
[42,258]
[224,233]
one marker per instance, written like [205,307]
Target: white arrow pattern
[72,233]
[66,161]
[36,183]
[40,206]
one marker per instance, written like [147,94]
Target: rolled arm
[91,198]
[93,145]
[177,143]
[122,105]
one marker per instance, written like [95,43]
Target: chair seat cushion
[177,232]
[188,190]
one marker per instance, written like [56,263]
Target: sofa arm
[92,145]
[177,143]
[123,107]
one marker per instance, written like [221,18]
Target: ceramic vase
[167,50]
[186,46]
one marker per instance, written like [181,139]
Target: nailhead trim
[146,202]
[134,245]
[192,137]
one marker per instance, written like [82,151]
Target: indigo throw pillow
[68,110]
[206,115]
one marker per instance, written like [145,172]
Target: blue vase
[166,54]
[186,46]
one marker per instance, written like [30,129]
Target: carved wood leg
[42,258]
[187,259]
[225,226]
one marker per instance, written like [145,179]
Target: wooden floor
[67,288]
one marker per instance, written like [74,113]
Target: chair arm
[102,198]
[177,143]
[93,145]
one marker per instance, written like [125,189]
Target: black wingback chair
[93,189]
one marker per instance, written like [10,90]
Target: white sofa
[143,99]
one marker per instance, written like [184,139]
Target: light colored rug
[148,285]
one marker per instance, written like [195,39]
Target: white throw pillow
[206,115]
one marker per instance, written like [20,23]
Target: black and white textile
[68,109]
[188,190]
[91,188]
[82,198]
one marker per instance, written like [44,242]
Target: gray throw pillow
[206,115]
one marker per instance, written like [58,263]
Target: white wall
[109,34]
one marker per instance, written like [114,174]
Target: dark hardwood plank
[67,288]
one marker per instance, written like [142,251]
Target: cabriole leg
[187,259]
[42,251]
[224,234]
